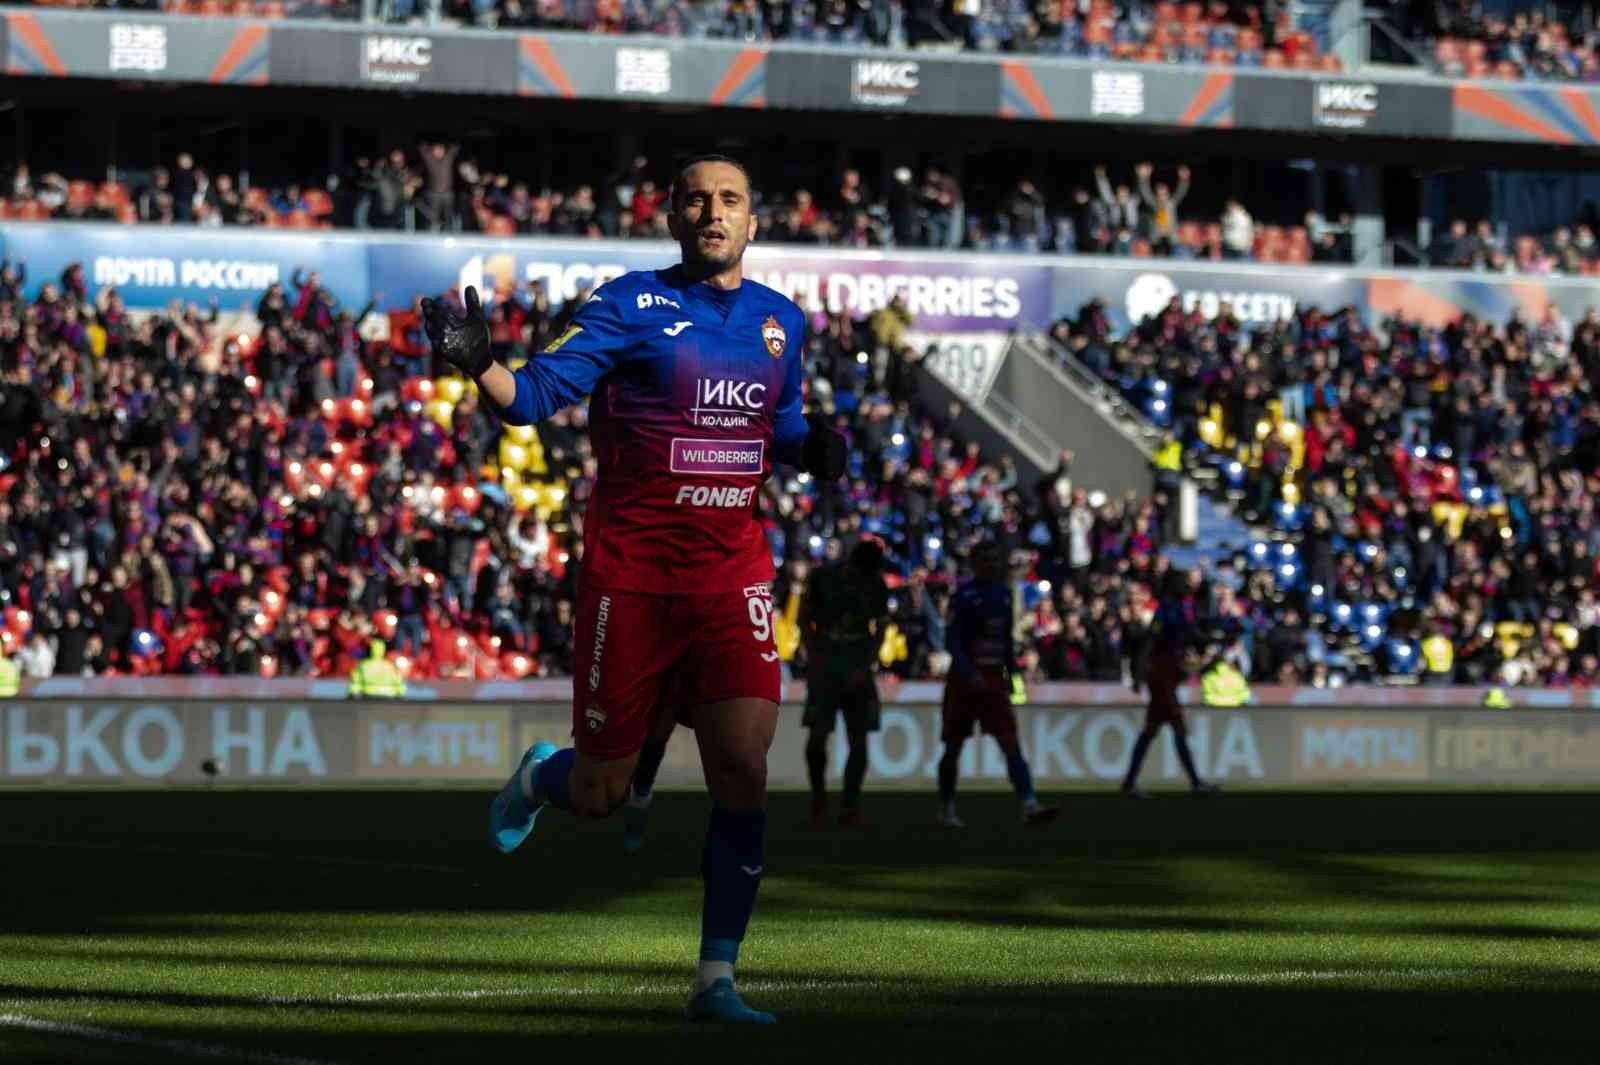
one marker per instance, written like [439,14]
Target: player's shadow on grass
[1108,864]
[1307,1010]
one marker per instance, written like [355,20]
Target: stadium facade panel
[224,51]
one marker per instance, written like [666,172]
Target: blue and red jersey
[695,393]
[979,633]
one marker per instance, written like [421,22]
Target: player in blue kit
[694,376]
[977,693]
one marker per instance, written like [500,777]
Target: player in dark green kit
[843,618]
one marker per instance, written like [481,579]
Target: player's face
[711,220]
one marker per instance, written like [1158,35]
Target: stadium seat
[516,664]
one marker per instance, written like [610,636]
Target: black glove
[462,340]
[823,453]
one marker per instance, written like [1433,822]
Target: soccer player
[1160,665]
[978,690]
[695,378]
[843,619]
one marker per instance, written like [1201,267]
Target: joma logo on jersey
[646,300]
[726,496]
[725,404]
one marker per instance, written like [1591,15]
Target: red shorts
[985,701]
[637,654]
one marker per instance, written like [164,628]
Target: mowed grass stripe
[1327,927]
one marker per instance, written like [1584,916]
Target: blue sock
[1021,777]
[550,782]
[732,871]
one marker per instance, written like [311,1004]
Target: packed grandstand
[181,501]
[200,491]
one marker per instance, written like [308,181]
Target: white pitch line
[255,856]
[185,1047]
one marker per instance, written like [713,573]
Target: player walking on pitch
[695,376]
[978,690]
[843,619]
[1159,665]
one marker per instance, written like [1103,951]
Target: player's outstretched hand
[462,340]
[823,454]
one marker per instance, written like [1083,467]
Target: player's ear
[755,225]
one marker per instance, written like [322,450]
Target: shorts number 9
[760,608]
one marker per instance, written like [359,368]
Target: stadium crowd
[1567,249]
[1412,483]
[1133,211]
[181,499]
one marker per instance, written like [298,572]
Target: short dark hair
[695,160]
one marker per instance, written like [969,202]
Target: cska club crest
[773,335]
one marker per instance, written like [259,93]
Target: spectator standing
[1238,231]
[439,164]
[1162,203]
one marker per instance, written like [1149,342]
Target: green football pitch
[364,926]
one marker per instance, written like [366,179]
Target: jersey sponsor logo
[751,870]
[691,455]
[773,336]
[602,617]
[555,345]
[646,300]
[675,328]
[594,719]
[729,497]
[721,403]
